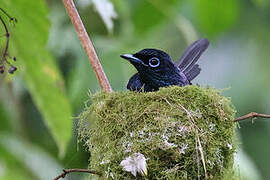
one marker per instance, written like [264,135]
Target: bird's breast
[157,80]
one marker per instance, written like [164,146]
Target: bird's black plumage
[156,68]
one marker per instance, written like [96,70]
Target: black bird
[156,69]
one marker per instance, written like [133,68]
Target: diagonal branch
[251,115]
[67,171]
[87,45]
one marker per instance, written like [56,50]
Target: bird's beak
[131,58]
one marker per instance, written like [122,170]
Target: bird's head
[150,61]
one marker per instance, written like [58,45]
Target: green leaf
[5,121]
[215,16]
[148,14]
[36,65]
[11,170]
[261,3]
[26,159]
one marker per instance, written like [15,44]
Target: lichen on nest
[183,133]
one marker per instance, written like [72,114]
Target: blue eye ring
[154,62]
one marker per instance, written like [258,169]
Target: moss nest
[182,132]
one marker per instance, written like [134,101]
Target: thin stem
[11,18]
[251,115]
[87,45]
[67,171]
[7,42]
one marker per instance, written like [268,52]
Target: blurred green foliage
[38,104]
[216,16]
[38,69]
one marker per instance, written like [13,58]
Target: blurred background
[40,102]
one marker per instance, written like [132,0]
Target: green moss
[178,130]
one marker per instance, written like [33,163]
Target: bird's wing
[187,63]
[135,83]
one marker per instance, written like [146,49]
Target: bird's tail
[187,63]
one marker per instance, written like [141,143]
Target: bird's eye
[154,62]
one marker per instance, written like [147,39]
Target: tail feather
[187,63]
[191,68]
[194,72]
